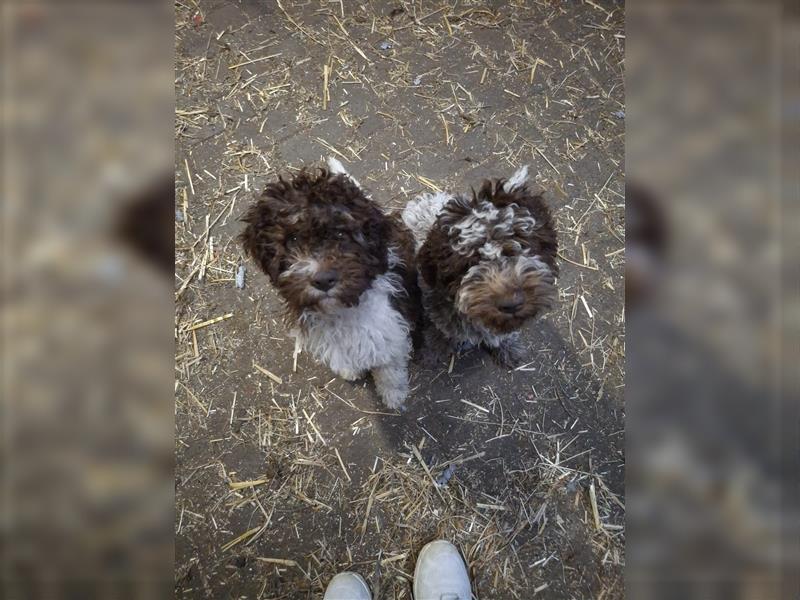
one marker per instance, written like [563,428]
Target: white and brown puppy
[345,271]
[487,265]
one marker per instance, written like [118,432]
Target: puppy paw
[436,349]
[432,359]
[391,383]
[349,375]
[395,399]
[510,353]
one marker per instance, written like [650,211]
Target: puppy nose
[511,305]
[325,280]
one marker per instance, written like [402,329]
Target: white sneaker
[347,586]
[441,574]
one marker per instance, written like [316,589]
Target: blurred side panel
[88,213]
[712,304]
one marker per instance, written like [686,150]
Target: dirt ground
[284,476]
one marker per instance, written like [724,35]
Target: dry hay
[286,477]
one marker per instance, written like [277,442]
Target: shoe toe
[441,573]
[347,586]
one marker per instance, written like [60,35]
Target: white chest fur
[362,337]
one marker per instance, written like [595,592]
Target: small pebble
[240,277]
[179,215]
[385,45]
[620,114]
[417,79]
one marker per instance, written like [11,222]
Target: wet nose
[511,305]
[325,280]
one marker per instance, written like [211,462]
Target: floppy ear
[456,209]
[544,235]
[545,294]
[426,264]
[255,240]
[376,230]
[543,238]
[261,238]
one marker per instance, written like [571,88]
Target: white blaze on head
[519,177]
[337,168]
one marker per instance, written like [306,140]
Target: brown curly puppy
[346,272]
[487,264]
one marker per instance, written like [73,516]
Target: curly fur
[315,224]
[479,254]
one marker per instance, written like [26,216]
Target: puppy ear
[456,209]
[546,294]
[543,237]
[426,264]
[260,238]
[546,239]
[377,231]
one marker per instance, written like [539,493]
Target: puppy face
[319,239]
[493,255]
[502,295]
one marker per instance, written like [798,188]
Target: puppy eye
[340,235]
[292,239]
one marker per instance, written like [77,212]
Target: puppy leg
[436,348]
[350,374]
[509,351]
[391,381]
